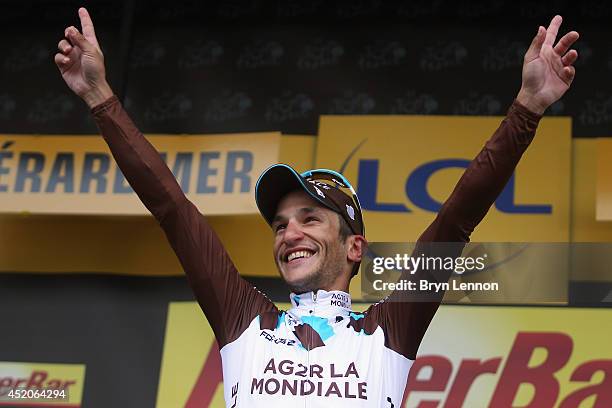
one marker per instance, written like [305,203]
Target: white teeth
[299,254]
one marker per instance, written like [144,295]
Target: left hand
[548,69]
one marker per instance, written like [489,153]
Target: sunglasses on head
[334,177]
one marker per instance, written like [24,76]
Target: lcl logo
[415,188]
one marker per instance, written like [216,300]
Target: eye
[279,227]
[310,219]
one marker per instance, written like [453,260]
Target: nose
[293,232]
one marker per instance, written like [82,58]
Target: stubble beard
[323,277]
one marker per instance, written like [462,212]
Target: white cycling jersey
[319,353]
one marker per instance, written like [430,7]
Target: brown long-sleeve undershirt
[231,303]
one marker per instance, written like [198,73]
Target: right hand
[81,62]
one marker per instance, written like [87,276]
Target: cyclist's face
[308,251]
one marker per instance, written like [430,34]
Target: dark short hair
[344,230]
[343,233]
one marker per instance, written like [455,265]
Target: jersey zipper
[314,313]
[310,337]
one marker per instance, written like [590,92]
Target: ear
[357,247]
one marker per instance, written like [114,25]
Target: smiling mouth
[303,254]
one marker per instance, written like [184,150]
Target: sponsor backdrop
[105,332]
[226,80]
[145,343]
[245,65]
[135,347]
[61,247]
[586,184]
[406,166]
[83,243]
[44,378]
[471,356]
[604,187]
[77,175]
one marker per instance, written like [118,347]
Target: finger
[552,30]
[536,45]
[64,47]
[87,26]
[566,42]
[570,57]
[77,39]
[568,74]
[62,61]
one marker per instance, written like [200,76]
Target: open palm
[548,69]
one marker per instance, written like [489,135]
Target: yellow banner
[604,179]
[77,174]
[149,252]
[405,166]
[470,357]
[595,266]
[41,384]
[519,357]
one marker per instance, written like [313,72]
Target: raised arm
[547,74]
[228,301]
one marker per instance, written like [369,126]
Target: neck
[340,283]
[329,288]
[320,303]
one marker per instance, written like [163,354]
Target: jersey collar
[321,303]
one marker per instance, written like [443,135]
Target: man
[319,353]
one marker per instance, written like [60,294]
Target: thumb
[77,39]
